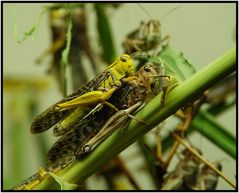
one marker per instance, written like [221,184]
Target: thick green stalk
[153,113]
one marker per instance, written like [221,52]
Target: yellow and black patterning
[72,142]
[105,83]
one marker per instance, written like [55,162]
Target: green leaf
[66,51]
[149,158]
[216,110]
[206,125]
[105,35]
[174,61]
[64,185]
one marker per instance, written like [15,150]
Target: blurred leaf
[7,183]
[222,90]
[223,106]
[155,168]
[105,35]
[149,158]
[167,142]
[66,51]
[206,125]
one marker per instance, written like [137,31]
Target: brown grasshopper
[85,134]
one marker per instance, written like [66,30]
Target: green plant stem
[105,34]
[153,113]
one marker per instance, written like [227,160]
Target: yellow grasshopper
[87,96]
[89,131]
[100,121]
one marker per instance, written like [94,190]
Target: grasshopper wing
[63,151]
[47,119]
[70,145]
[50,116]
[108,80]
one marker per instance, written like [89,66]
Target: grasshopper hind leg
[119,119]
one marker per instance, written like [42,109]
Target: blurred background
[202,32]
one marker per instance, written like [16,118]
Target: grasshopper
[99,123]
[139,91]
[88,95]
[184,173]
[207,179]
[147,37]
[108,79]
[192,174]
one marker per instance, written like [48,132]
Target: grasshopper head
[148,72]
[153,26]
[154,78]
[124,65]
[146,76]
[154,33]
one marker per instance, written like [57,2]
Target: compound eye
[123,59]
[147,69]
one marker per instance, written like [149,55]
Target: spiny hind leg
[113,123]
[127,112]
[86,99]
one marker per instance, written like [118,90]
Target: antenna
[145,11]
[164,15]
[170,11]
